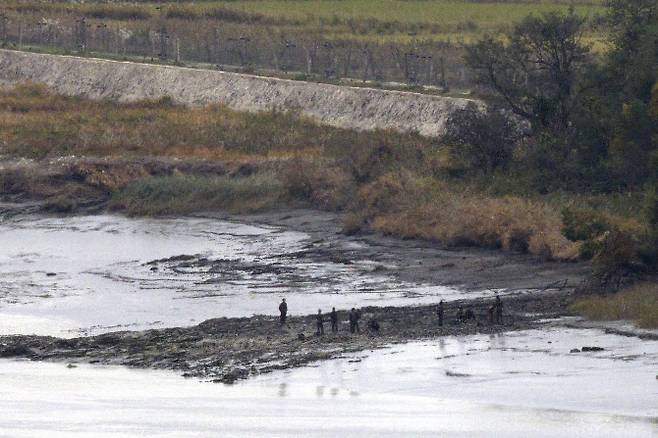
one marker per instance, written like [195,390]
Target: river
[71,276]
[83,275]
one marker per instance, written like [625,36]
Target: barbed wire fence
[419,62]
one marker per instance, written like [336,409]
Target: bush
[586,226]
[318,182]
[615,255]
[482,140]
[648,252]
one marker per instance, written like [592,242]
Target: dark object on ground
[585,349]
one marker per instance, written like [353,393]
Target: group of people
[354,317]
[494,312]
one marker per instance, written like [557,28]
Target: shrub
[616,252]
[586,226]
[322,184]
[482,140]
[648,252]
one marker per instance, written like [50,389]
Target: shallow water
[85,275]
[515,385]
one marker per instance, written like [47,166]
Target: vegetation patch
[638,303]
[186,194]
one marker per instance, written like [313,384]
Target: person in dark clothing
[490,313]
[283,310]
[354,321]
[469,315]
[439,313]
[460,314]
[319,323]
[334,320]
[499,310]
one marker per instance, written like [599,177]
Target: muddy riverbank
[231,348]
[421,261]
[227,349]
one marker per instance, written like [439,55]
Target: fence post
[20,34]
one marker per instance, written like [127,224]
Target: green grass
[638,304]
[185,194]
[443,12]
[378,20]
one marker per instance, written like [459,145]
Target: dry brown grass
[37,123]
[638,303]
[403,205]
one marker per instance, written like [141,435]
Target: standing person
[356,320]
[352,318]
[439,313]
[490,313]
[283,310]
[319,323]
[499,310]
[334,320]
[460,314]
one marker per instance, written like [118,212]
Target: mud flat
[423,262]
[340,106]
[88,274]
[228,349]
[130,271]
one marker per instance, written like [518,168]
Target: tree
[630,68]
[535,69]
[482,140]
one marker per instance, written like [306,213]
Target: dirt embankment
[340,106]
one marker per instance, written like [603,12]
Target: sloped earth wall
[340,106]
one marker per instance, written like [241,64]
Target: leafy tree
[535,69]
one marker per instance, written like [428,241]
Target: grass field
[442,12]
[380,20]
[436,19]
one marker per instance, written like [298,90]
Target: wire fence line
[247,48]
